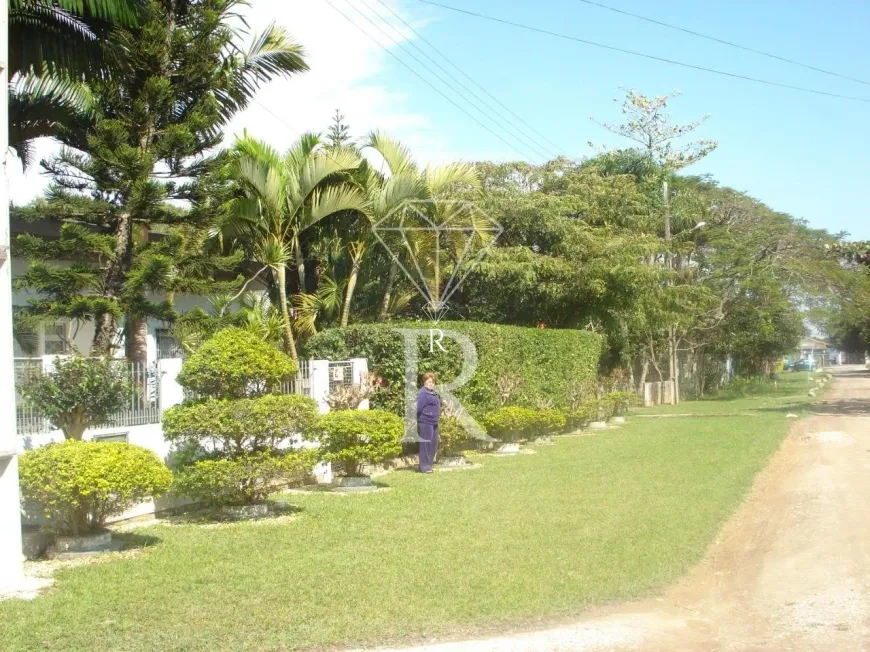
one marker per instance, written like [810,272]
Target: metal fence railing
[302,383]
[340,374]
[142,404]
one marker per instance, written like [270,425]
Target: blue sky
[803,154]
[800,153]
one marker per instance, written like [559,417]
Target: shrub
[585,412]
[452,437]
[514,423]
[546,360]
[244,480]
[351,438]
[235,363]
[618,403]
[80,484]
[78,394]
[234,427]
[510,423]
[549,421]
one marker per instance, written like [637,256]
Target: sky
[800,153]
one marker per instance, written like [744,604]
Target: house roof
[813,342]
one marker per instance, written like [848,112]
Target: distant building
[815,349]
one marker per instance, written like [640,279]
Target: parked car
[804,365]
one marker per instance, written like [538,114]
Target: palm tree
[53,47]
[282,196]
[407,182]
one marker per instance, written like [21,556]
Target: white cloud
[346,72]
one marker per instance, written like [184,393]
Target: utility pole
[673,366]
[11,566]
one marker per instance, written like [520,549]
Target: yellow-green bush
[243,480]
[78,485]
[351,438]
[235,363]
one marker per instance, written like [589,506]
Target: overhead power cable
[426,81]
[644,55]
[524,154]
[723,41]
[472,80]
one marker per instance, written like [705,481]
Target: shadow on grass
[133,541]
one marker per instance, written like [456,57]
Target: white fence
[154,389]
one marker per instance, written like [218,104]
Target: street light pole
[673,367]
[11,566]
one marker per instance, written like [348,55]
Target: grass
[592,519]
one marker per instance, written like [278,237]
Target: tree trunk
[388,293]
[348,295]
[116,272]
[644,370]
[300,264]
[136,340]
[289,342]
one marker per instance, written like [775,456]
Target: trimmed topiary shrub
[351,438]
[618,403]
[78,485]
[243,480]
[548,361]
[512,423]
[78,394]
[235,427]
[236,363]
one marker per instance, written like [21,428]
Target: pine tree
[134,188]
[338,132]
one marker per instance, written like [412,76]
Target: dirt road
[790,570]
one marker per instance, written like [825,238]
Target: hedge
[549,361]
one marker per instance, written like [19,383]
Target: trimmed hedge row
[544,362]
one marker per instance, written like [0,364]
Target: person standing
[428,416]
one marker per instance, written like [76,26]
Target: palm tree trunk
[300,264]
[289,342]
[388,293]
[348,295]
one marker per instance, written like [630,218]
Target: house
[812,348]
[64,337]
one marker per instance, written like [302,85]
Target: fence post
[360,376]
[171,393]
[319,380]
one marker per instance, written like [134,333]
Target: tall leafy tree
[144,164]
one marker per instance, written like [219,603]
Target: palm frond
[442,179]
[397,156]
[46,105]
[272,54]
[324,202]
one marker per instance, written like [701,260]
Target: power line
[441,79]
[723,41]
[506,124]
[644,55]
[423,79]
[471,79]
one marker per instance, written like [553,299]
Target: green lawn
[591,519]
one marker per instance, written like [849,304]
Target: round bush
[78,485]
[351,438]
[77,394]
[244,480]
[510,423]
[548,421]
[235,363]
[239,426]
[452,437]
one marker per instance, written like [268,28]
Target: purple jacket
[428,407]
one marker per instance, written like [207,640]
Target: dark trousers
[428,444]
